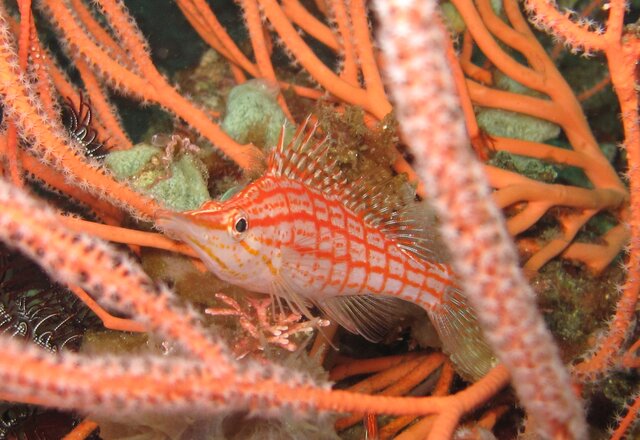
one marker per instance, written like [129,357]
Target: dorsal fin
[306,159]
[301,158]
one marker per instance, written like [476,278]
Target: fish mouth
[172,223]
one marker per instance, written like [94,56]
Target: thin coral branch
[106,113]
[580,35]
[108,320]
[23,53]
[411,374]
[340,17]
[152,86]
[50,140]
[487,43]
[79,259]
[82,431]
[320,72]
[207,25]
[120,386]
[126,385]
[128,236]
[262,53]
[628,420]
[309,23]
[622,67]
[362,366]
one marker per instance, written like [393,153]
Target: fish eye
[239,225]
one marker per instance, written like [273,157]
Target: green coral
[497,122]
[452,18]
[180,185]
[127,163]
[253,114]
[532,168]
[504,123]
[575,303]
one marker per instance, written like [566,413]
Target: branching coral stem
[113,130]
[483,254]
[366,53]
[78,259]
[23,54]
[622,67]
[210,29]
[82,431]
[262,53]
[128,236]
[100,35]
[363,366]
[577,36]
[499,57]
[321,73]
[108,320]
[343,29]
[152,86]
[210,383]
[311,25]
[175,385]
[50,141]
[418,371]
[622,59]
[628,420]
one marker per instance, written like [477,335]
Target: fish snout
[170,222]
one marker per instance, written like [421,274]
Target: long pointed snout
[172,223]
[192,225]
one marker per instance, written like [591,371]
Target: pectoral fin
[367,315]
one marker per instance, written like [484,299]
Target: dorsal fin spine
[305,160]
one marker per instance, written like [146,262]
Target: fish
[305,234]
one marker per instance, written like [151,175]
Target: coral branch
[113,279]
[50,140]
[583,35]
[152,87]
[484,256]
[120,386]
[629,419]
[621,58]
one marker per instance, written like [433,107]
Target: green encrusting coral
[180,184]
[508,124]
[497,122]
[526,166]
[253,114]
[575,302]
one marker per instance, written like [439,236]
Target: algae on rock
[179,185]
[253,114]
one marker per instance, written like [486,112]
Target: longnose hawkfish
[304,234]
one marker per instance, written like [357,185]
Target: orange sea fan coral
[110,52]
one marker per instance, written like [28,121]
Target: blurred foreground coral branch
[453,93]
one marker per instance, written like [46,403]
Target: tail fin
[461,336]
